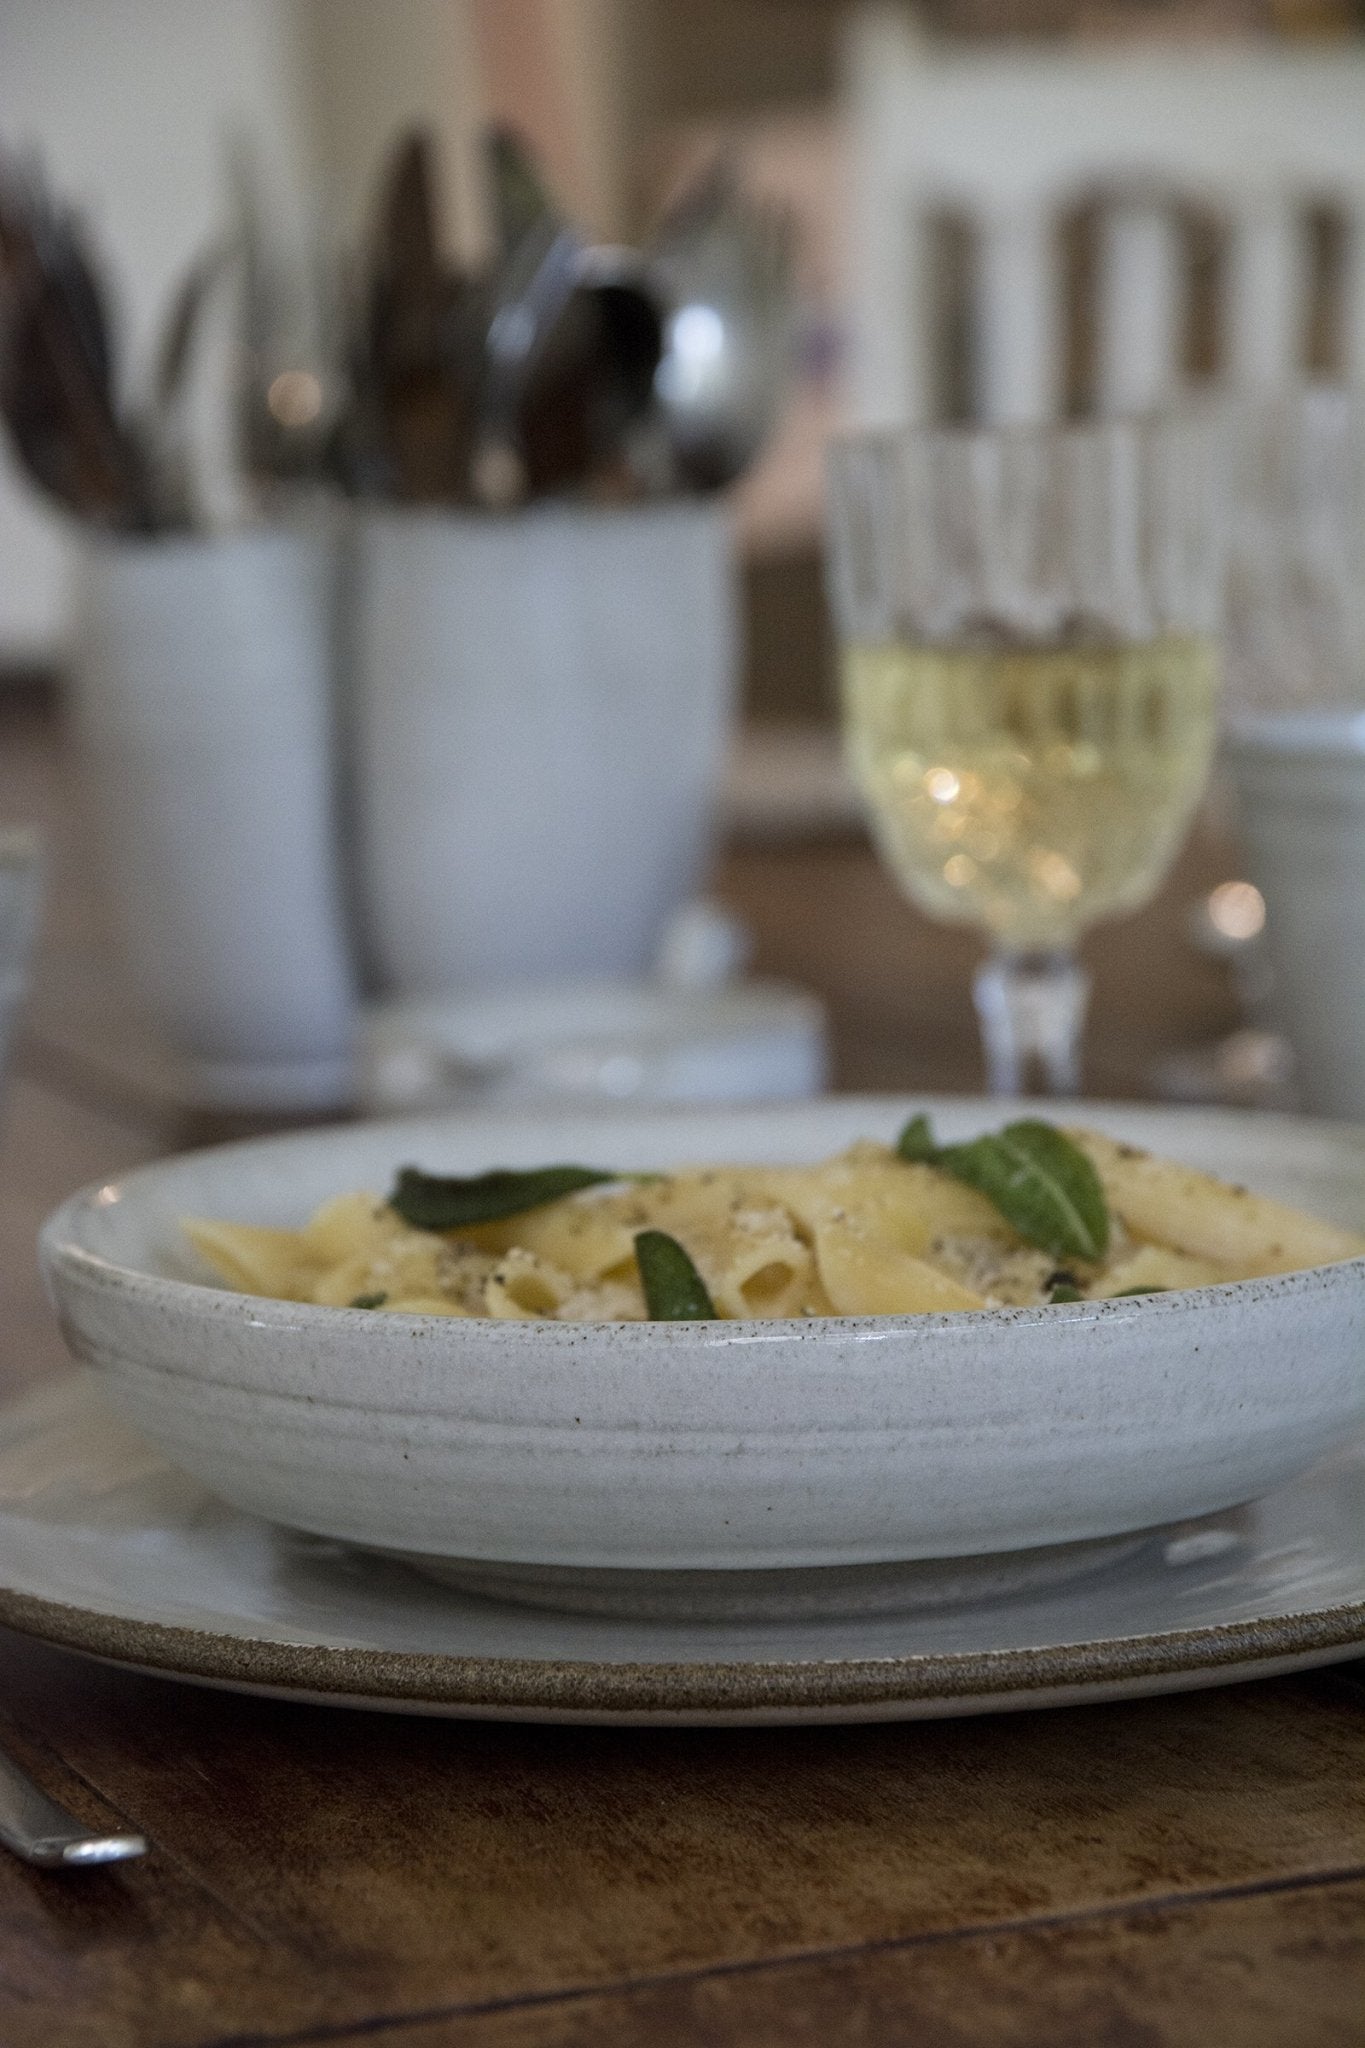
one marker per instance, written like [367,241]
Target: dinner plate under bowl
[105,1548]
[825,1445]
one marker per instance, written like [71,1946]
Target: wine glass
[1027,618]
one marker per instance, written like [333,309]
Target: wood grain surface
[318,1868]
[1172,1873]
[1174,1976]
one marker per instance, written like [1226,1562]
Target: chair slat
[1141,306]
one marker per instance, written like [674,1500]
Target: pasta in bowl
[876,1230]
[779,1431]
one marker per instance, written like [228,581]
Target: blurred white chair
[1014,139]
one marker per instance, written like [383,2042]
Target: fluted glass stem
[1032,1008]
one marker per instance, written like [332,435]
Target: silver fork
[41,1832]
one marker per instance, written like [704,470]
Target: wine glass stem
[1031,1007]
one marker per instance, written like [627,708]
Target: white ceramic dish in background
[710,1447]
[106,1548]
[1300,779]
[541,709]
[201,694]
[597,1041]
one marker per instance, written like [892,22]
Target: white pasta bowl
[563,1462]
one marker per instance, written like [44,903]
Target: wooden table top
[1188,1870]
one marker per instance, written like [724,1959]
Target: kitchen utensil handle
[41,1832]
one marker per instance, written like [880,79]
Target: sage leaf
[430,1201]
[1041,1183]
[1038,1180]
[1125,1293]
[369,1300]
[1064,1291]
[916,1142]
[674,1290]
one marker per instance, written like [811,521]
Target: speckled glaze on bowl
[711,1447]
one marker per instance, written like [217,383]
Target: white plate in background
[594,1041]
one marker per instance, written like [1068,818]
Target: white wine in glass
[1031,762]
[1031,791]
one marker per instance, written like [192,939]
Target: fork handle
[41,1832]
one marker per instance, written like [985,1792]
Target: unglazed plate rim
[552,1688]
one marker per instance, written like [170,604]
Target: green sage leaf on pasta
[916,1142]
[1041,1183]
[674,1290]
[431,1201]
[1038,1180]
